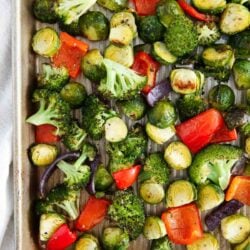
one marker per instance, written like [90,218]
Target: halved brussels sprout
[210,6]
[234,19]
[103,179]
[87,242]
[162,55]
[113,5]
[179,193]
[46,42]
[154,228]
[186,81]
[241,73]
[178,156]
[235,228]
[122,55]
[209,196]
[207,242]
[245,245]
[121,35]
[159,135]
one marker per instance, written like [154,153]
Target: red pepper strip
[183,224]
[61,239]
[191,11]
[198,131]
[144,64]
[127,177]
[145,7]
[46,134]
[70,54]
[93,213]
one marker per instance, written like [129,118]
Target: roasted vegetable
[161,244]
[154,228]
[147,48]
[245,245]
[162,55]
[102,179]
[44,11]
[241,73]
[207,242]
[87,242]
[72,29]
[113,5]
[221,74]
[209,6]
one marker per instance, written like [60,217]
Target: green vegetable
[210,6]
[43,155]
[234,19]
[159,135]
[134,108]
[154,228]
[121,82]
[103,179]
[87,242]
[113,5]
[72,29]
[92,66]
[147,48]
[207,242]
[122,55]
[235,228]
[221,74]
[208,33]
[49,223]
[221,97]
[245,245]
[114,238]
[162,55]
[178,156]
[46,42]
[150,29]
[247,146]
[181,37]
[94,25]
[44,11]
[163,114]
[179,193]
[214,163]
[209,196]
[161,244]
[241,72]
[128,212]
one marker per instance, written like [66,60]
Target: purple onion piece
[227,208]
[239,166]
[50,170]
[158,92]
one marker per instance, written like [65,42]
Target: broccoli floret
[190,106]
[181,37]
[69,11]
[52,110]
[121,83]
[155,169]
[221,74]
[95,113]
[60,197]
[52,78]
[124,154]
[77,174]
[214,164]
[128,212]
[161,244]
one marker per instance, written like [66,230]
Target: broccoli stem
[71,208]
[69,170]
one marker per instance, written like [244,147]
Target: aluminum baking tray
[26,177]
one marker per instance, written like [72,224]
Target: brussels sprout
[87,242]
[241,73]
[49,223]
[73,28]
[92,66]
[115,129]
[207,242]
[178,156]
[154,228]
[103,179]
[147,48]
[44,11]
[46,42]
[221,97]
[219,56]
[151,192]
[114,238]
[74,93]
[122,55]
[162,55]
[135,108]
[235,228]
[234,19]
[113,5]
[247,146]
[94,26]
[163,114]
[161,244]
[159,135]
[210,6]
[245,245]
[43,155]
[209,196]
[121,35]
[186,81]
[179,193]
[150,29]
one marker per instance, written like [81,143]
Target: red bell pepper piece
[145,7]
[61,239]
[198,131]
[183,224]
[46,134]
[70,54]
[93,213]
[127,177]
[144,64]
[191,11]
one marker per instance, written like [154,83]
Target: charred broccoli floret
[52,110]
